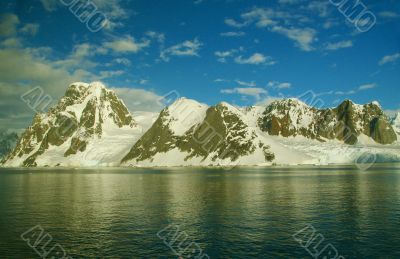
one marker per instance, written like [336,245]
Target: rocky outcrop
[8,141]
[381,131]
[291,117]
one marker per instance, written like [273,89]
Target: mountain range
[90,126]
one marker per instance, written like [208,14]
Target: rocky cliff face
[8,141]
[86,114]
[291,117]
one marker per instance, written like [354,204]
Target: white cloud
[268,100]
[284,85]
[219,80]
[11,43]
[245,89]
[186,48]
[109,74]
[329,24]
[366,87]
[137,99]
[279,85]
[112,9]
[280,22]
[143,81]
[122,61]
[160,37]
[358,89]
[8,25]
[126,44]
[79,57]
[82,51]
[233,34]
[321,8]
[249,91]
[289,1]
[25,65]
[389,59]
[255,59]
[50,5]
[338,45]
[304,37]
[388,14]
[262,17]
[30,28]
[243,83]
[235,24]
[345,93]
[267,18]
[222,55]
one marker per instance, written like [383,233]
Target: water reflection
[248,212]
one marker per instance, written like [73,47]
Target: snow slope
[396,125]
[183,114]
[335,152]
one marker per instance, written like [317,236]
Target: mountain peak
[80,90]
[228,106]
[346,103]
[97,88]
[79,85]
[97,84]
[376,103]
[183,114]
[184,102]
[93,86]
[289,102]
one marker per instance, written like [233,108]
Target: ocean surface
[279,212]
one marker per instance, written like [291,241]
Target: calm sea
[299,212]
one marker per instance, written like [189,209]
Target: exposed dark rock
[291,117]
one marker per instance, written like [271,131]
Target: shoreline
[61,168]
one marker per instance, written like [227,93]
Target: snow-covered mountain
[91,126]
[191,133]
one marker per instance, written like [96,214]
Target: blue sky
[244,52]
